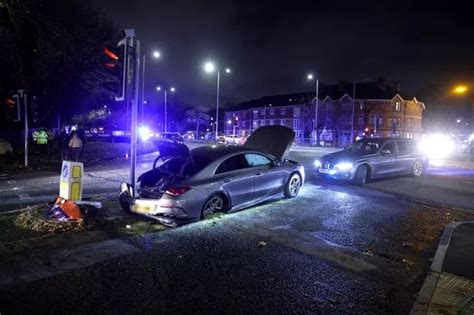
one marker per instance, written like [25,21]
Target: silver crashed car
[371,158]
[191,185]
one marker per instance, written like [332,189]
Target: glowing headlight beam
[344,166]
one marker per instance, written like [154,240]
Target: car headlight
[317,164]
[344,166]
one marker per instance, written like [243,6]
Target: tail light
[177,191]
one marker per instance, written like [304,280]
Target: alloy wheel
[295,185]
[215,203]
[417,168]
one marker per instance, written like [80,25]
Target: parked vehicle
[232,139]
[371,158]
[171,136]
[192,185]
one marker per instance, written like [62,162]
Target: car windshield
[365,146]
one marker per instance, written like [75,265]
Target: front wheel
[293,186]
[212,205]
[418,169]
[360,177]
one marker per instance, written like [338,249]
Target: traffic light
[14,109]
[115,64]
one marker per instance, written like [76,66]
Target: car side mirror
[386,152]
[276,162]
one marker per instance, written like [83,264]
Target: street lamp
[310,77]
[172,90]
[210,67]
[460,89]
[156,55]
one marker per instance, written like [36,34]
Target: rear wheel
[418,169]
[360,177]
[214,204]
[293,186]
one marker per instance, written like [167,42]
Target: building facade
[377,110]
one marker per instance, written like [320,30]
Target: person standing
[63,144]
[75,146]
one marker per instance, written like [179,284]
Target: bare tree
[198,116]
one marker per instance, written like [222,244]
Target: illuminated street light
[460,89]
[156,54]
[229,121]
[210,67]
[310,77]
[171,89]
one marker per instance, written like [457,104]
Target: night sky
[271,45]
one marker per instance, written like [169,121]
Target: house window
[412,123]
[282,122]
[296,112]
[397,122]
[397,106]
[295,124]
[380,122]
[372,119]
[361,120]
[255,124]
[283,110]
[272,122]
[272,111]
[361,105]
[262,122]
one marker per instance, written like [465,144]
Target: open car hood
[274,140]
[172,149]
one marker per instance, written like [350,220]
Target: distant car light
[317,164]
[344,166]
[145,133]
[436,146]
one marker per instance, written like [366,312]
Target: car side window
[404,147]
[233,163]
[389,146]
[254,160]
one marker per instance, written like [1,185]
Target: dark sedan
[371,158]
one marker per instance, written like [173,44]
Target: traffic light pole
[22,98]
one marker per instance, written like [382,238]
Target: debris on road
[406,244]
[32,220]
[262,243]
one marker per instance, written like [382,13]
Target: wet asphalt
[335,248]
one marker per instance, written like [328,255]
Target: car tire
[215,203]
[360,177]
[418,168]
[293,186]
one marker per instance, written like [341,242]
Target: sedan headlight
[317,164]
[344,166]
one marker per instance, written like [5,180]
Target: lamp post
[172,90]
[461,90]
[310,78]
[210,67]
[157,55]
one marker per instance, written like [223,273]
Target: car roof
[384,139]
[218,151]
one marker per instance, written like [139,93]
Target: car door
[386,163]
[269,180]
[236,178]
[405,156]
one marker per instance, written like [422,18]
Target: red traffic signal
[114,64]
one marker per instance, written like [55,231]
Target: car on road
[372,158]
[232,139]
[193,184]
[170,137]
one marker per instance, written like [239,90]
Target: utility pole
[316,112]
[22,96]
[353,107]
[166,110]
[143,88]
[217,105]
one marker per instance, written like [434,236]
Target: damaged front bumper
[166,210]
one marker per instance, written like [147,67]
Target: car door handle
[227,180]
[259,173]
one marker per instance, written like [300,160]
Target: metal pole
[133,142]
[166,110]
[353,106]
[316,113]
[25,108]
[217,104]
[143,88]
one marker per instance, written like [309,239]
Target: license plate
[142,208]
[325,171]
